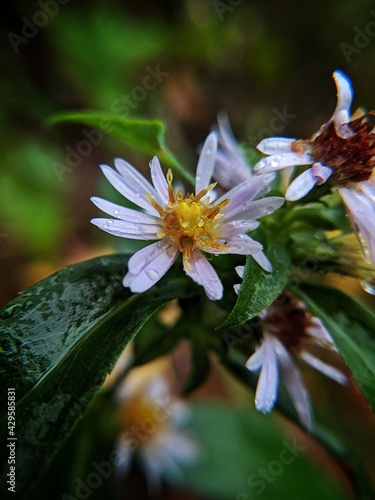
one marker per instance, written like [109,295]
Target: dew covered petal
[124,213]
[130,230]
[201,271]
[275,145]
[280,161]
[154,265]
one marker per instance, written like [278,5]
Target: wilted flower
[189,224]
[288,331]
[343,150]
[153,433]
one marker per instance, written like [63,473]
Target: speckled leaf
[259,288]
[146,135]
[59,340]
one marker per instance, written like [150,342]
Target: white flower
[189,224]
[231,166]
[344,151]
[288,330]
[153,433]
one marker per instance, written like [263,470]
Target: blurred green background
[268,64]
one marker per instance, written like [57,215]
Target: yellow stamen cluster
[190,223]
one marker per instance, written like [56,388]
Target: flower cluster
[197,225]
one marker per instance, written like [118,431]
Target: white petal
[127,190]
[301,185]
[259,208]
[140,259]
[255,361]
[241,245]
[341,115]
[266,393]
[236,227]
[244,193]
[131,230]
[275,145]
[262,260]
[230,169]
[361,209]
[240,270]
[226,135]
[326,369]
[124,213]
[136,180]
[153,270]
[321,173]
[158,179]
[295,386]
[206,163]
[205,275]
[280,161]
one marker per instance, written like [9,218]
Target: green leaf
[327,214]
[146,135]
[59,341]
[259,288]
[352,326]
[236,445]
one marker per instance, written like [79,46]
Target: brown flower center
[289,322]
[352,159]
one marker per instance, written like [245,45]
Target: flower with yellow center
[153,429]
[189,224]
[343,150]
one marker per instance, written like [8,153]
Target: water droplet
[208,151]
[153,274]
[122,223]
[269,210]
[274,163]
[115,213]
[368,286]
[198,178]
[110,221]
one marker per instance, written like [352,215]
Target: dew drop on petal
[115,213]
[368,286]
[153,274]
[110,222]
[274,163]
